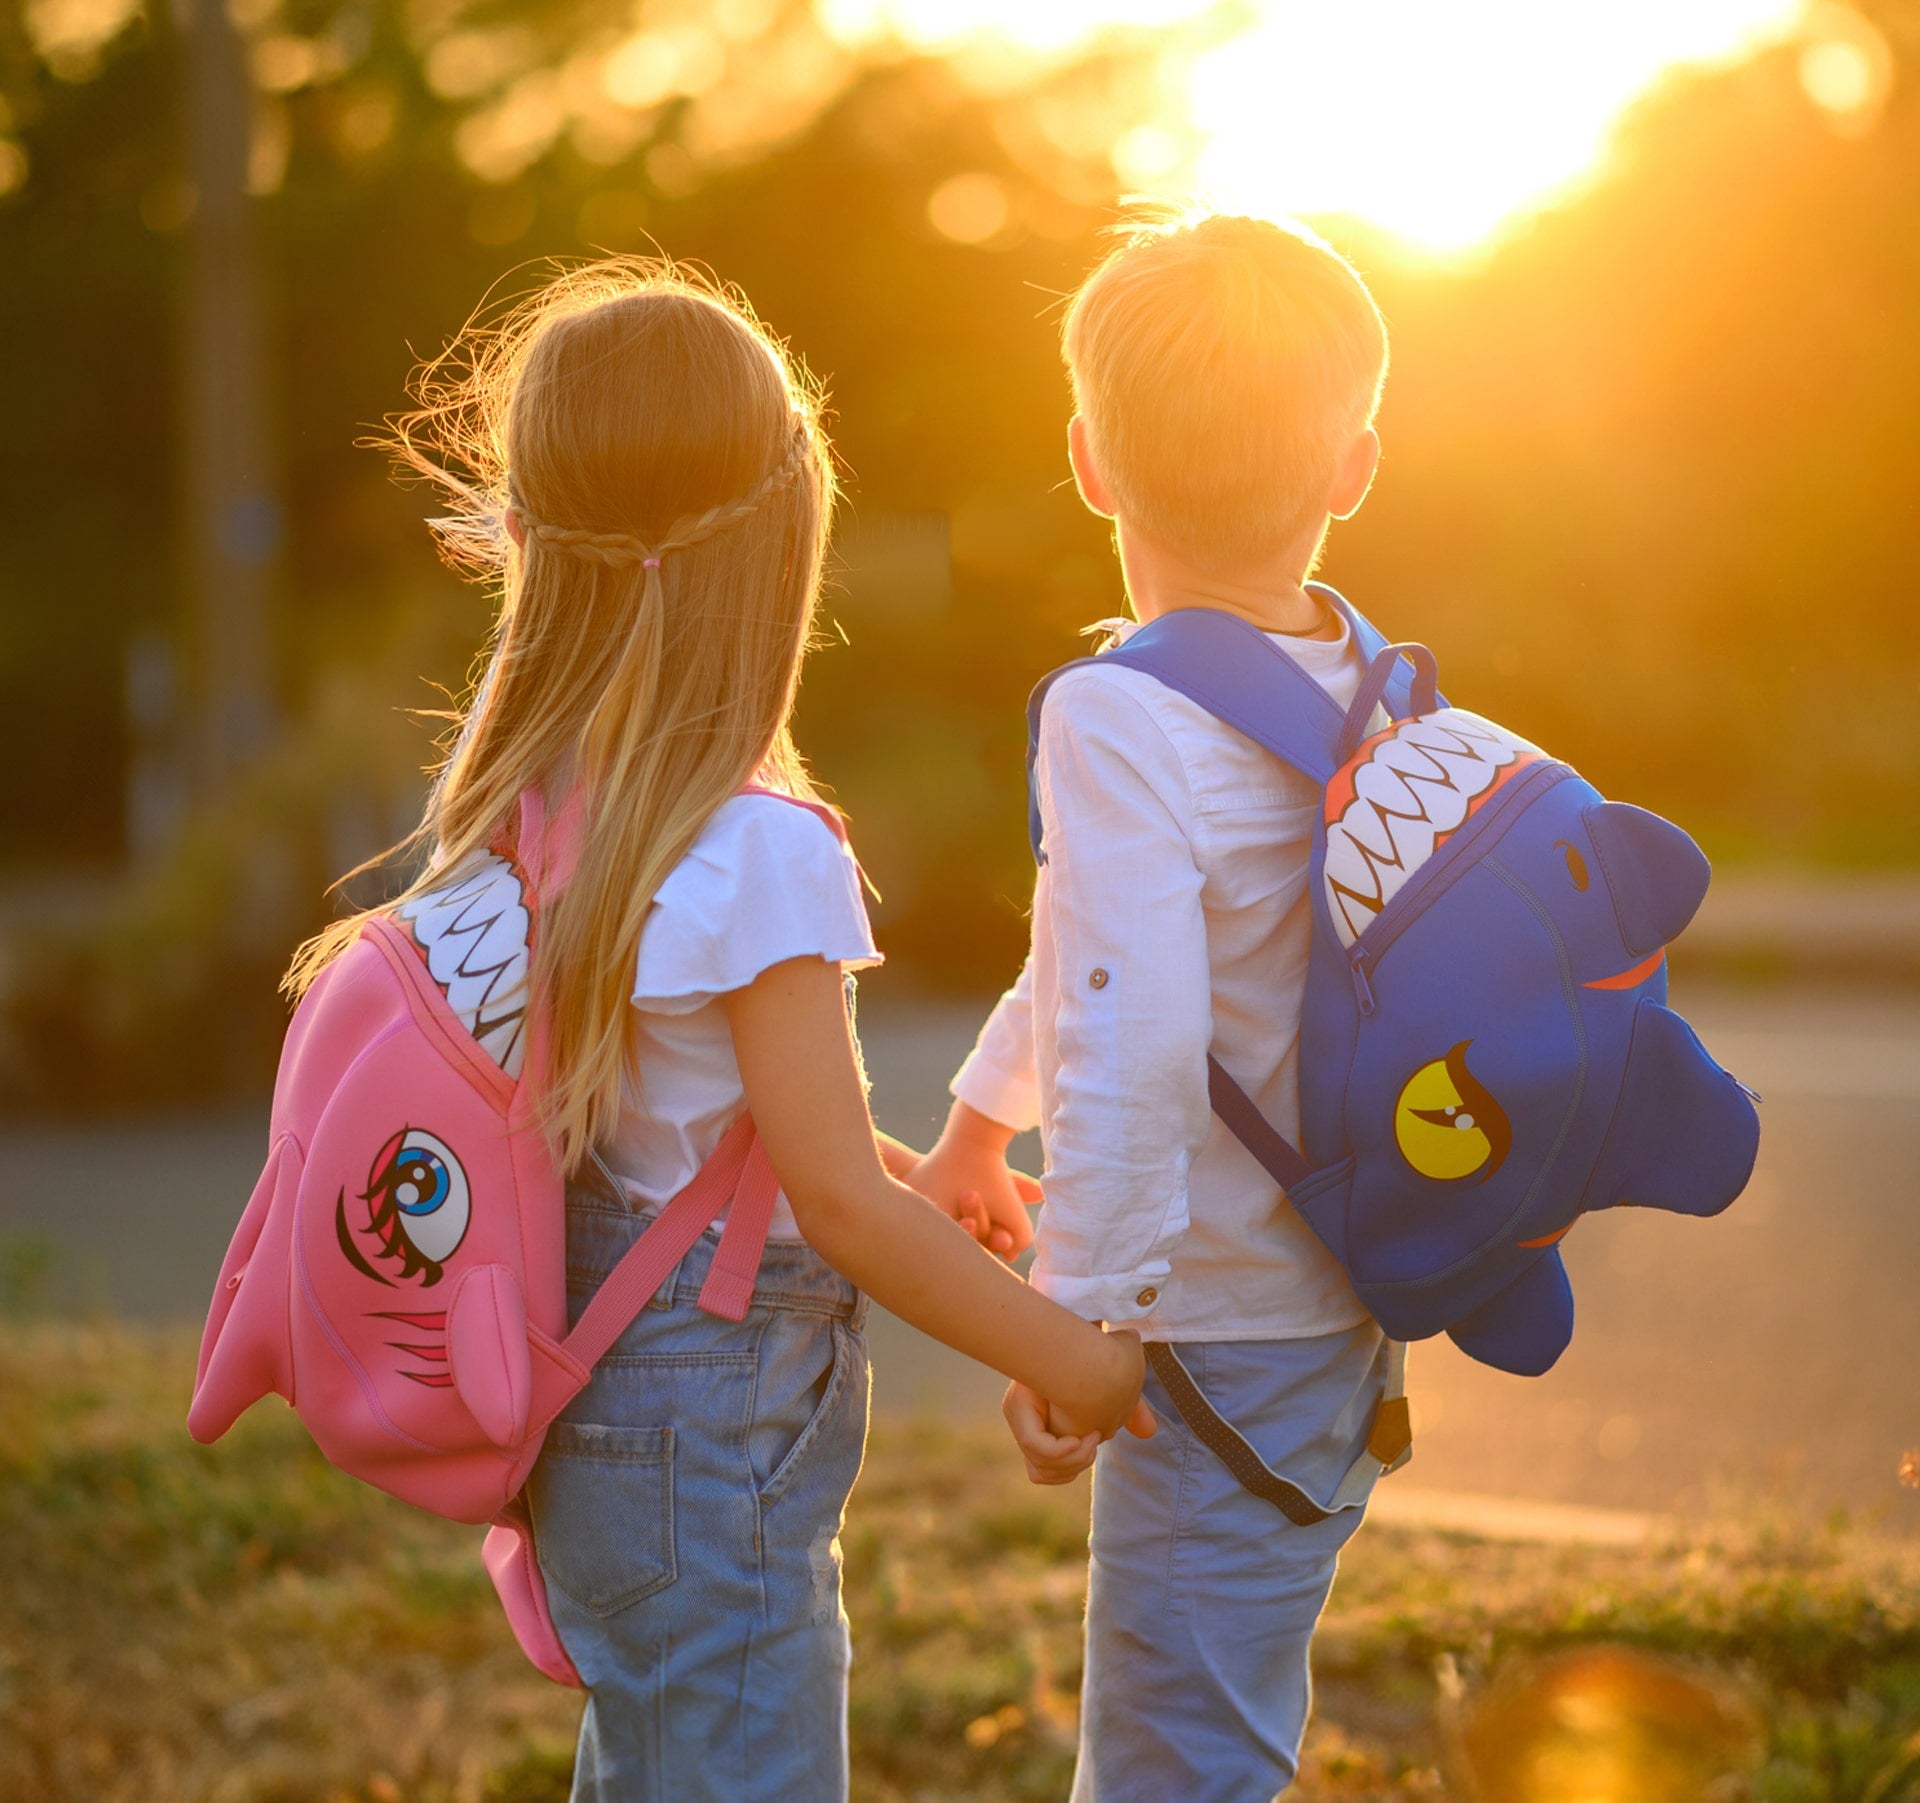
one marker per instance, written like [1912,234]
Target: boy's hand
[967,1175]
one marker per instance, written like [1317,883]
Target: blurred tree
[1649,477]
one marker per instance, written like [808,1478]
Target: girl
[665,489]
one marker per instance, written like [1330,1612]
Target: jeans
[1202,1598]
[687,1510]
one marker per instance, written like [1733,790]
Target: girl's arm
[797,1061]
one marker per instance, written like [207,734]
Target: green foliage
[245,1622]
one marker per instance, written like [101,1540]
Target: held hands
[1058,1442]
[966,1175]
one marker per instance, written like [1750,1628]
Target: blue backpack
[1485,1052]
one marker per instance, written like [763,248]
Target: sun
[1440,123]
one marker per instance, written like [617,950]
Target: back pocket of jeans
[602,1501]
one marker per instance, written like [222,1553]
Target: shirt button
[1099,978]
[1148,1297]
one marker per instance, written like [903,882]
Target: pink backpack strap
[739,1171]
[548,846]
[828,816]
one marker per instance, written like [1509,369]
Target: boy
[1225,376]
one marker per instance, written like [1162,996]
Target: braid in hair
[621,550]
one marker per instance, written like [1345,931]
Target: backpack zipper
[1437,876]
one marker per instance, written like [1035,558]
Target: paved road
[1774,1352]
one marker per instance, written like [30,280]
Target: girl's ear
[1086,472]
[1354,476]
[516,531]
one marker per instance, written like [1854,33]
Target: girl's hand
[967,1176]
[1051,1458]
[1118,1405]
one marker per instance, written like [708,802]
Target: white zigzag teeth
[1417,785]
[474,934]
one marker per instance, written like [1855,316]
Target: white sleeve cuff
[988,1087]
[1127,1301]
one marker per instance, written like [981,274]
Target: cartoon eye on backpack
[1486,1053]
[417,1205]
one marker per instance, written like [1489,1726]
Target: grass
[244,1625]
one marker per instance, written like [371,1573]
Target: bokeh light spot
[642,71]
[1147,153]
[1846,68]
[466,64]
[969,209]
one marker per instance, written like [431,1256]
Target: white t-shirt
[1170,919]
[765,881]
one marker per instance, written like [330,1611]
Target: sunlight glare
[1438,123]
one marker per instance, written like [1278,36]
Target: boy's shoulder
[1106,706]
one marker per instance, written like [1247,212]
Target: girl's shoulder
[766,879]
[757,832]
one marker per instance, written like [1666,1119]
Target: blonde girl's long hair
[634,460]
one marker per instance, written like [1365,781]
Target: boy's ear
[1354,476]
[1086,473]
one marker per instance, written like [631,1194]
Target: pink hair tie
[649,563]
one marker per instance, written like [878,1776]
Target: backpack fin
[487,1352]
[1526,1327]
[1655,873]
[1684,1134]
[246,1351]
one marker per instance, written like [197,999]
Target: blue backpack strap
[1233,670]
[1240,676]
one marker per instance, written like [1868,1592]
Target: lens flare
[1608,1724]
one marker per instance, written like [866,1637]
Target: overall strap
[738,1172]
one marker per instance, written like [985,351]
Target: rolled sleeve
[1119,905]
[997,1079]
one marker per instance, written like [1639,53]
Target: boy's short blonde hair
[1223,366]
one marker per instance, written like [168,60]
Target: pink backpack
[399,1275]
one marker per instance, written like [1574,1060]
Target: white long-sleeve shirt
[1171,918]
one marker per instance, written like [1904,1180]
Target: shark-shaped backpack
[1486,1052]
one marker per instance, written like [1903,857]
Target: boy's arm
[995,1096]
[997,1080]
[1127,935]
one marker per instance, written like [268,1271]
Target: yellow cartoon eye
[1448,1126]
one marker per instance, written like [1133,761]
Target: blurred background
[1652,273]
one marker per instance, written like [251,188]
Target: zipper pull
[1362,989]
